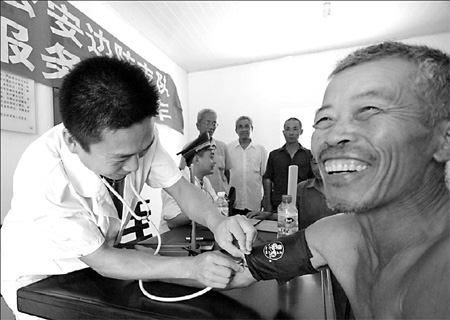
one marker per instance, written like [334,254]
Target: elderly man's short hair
[430,81]
[202,112]
[245,118]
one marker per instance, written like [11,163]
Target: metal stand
[193,247]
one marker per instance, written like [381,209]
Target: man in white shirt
[200,155]
[63,217]
[207,122]
[248,166]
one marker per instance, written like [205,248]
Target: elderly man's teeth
[344,166]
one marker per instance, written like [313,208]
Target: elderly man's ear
[442,153]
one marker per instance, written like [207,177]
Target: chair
[327,294]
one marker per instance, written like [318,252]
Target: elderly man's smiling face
[369,141]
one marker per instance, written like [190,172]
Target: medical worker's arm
[212,269]
[198,208]
[180,220]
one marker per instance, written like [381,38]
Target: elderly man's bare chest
[385,290]
[377,291]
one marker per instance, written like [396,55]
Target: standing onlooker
[311,201]
[312,206]
[207,122]
[200,154]
[248,165]
[275,179]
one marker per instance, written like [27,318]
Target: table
[85,294]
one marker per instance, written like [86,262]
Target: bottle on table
[287,217]
[221,203]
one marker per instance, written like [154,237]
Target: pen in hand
[258,223]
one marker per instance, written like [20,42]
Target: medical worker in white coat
[76,187]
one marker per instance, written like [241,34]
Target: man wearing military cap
[200,155]
[203,142]
[207,122]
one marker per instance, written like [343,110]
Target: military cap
[203,142]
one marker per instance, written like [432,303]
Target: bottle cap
[286,198]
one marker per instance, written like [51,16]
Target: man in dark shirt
[312,206]
[311,202]
[275,179]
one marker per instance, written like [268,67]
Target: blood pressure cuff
[281,259]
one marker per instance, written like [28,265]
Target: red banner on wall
[43,40]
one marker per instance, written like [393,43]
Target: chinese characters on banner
[43,40]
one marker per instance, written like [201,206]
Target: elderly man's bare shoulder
[332,237]
[340,227]
[426,292]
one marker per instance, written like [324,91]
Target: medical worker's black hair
[105,93]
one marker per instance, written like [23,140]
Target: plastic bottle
[222,203]
[287,217]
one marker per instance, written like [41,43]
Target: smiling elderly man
[382,138]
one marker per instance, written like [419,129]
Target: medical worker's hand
[235,234]
[213,269]
[241,279]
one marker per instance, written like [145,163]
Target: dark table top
[85,294]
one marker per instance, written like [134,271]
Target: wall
[13,143]
[270,92]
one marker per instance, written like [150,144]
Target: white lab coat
[170,208]
[61,210]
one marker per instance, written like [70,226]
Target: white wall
[270,92]
[13,144]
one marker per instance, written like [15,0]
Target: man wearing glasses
[207,122]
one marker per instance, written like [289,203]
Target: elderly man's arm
[281,259]
[332,240]
[226,230]
[241,279]
[301,253]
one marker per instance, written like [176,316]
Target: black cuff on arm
[281,259]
